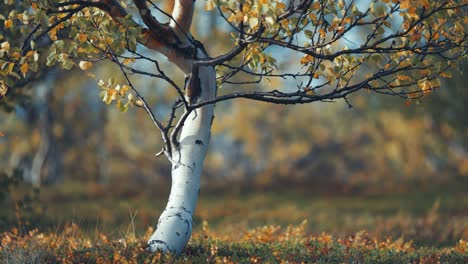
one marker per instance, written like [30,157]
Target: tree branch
[222,58]
[162,31]
[182,18]
[157,123]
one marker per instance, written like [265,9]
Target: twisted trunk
[175,223]
[188,153]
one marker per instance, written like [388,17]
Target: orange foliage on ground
[71,246]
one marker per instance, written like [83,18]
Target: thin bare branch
[147,108]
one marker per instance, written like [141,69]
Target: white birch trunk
[175,223]
[43,94]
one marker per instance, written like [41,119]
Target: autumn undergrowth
[91,224]
[261,245]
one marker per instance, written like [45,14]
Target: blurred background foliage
[93,161]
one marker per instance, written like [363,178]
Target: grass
[289,246]
[88,223]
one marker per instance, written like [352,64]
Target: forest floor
[90,223]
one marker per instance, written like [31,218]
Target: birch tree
[340,47]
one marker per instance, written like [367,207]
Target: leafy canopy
[387,46]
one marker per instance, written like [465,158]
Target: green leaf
[67,64]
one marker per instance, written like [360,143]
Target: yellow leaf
[10,67]
[403,78]
[3,88]
[446,74]
[306,59]
[138,103]
[109,96]
[24,69]
[253,22]
[82,37]
[128,60]
[16,55]
[84,65]
[413,95]
[8,23]
[322,33]
[53,34]
[5,46]
[124,90]
[313,17]
[236,18]
[109,40]
[284,22]
[270,20]
[209,5]
[425,86]
[405,4]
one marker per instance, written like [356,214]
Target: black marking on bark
[195,114]
[177,233]
[188,221]
[211,122]
[193,89]
[152,242]
[180,164]
[189,226]
[178,215]
[181,208]
[186,81]
[198,142]
[157,241]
